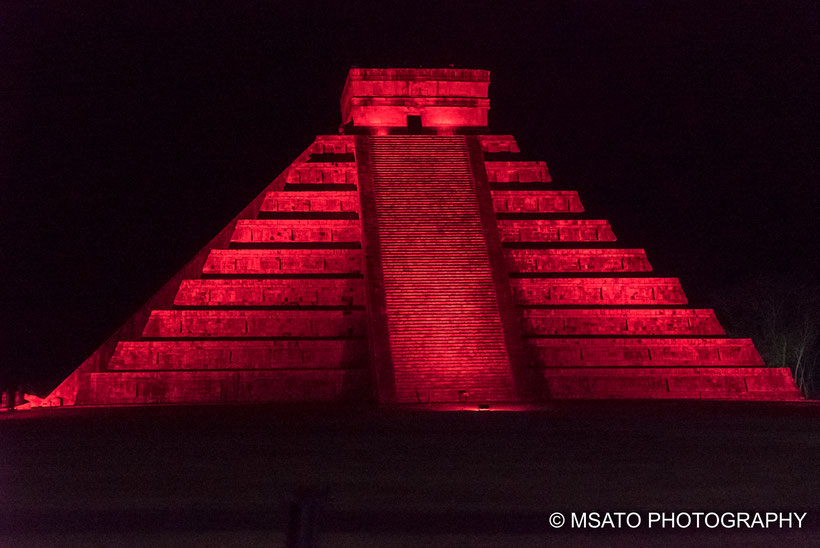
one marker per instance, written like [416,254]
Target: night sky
[131,135]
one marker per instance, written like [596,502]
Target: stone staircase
[445,334]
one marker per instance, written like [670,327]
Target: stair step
[296,230]
[694,383]
[642,352]
[597,291]
[690,322]
[515,172]
[443,323]
[334,173]
[498,143]
[190,387]
[333,144]
[311,201]
[254,323]
[287,292]
[548,230]
[283,261]
[239,354]
[535,201]
[577,260]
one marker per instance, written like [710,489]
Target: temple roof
[441,97]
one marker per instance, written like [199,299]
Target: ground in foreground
[241,476]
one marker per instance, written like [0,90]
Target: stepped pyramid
[414,259]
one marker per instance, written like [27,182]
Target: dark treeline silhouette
[781,313]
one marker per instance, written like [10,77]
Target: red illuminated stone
[498,144]
[440,97]
[322,173]
[280,292]
[413,259]
[517,172]
[310,202]
[597,291]
[577,260]
[297,230]
[540,201]
[545,230]
[231,262]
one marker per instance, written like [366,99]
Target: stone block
[297,230]
[546,201]
[517,172]
[550,230]
[642,352]
[254,323]
[239,354]
[640,322]
[577,260]
[310,201]
[333,144]
[283,261]
[498,143]
[322,173]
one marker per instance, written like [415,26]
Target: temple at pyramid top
[435,98]
[417,259]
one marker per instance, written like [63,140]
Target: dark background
[130,134]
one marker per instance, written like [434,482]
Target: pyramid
[416,259]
